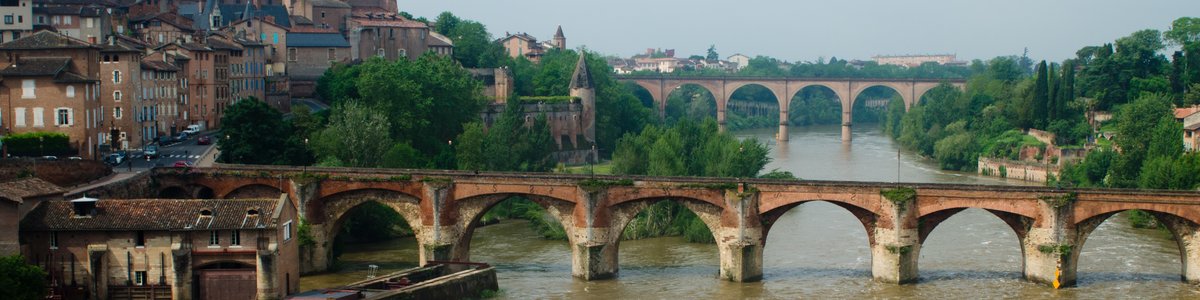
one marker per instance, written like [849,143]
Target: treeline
[1129,77]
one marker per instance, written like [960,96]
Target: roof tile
[155,214]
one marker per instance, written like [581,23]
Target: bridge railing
[769,78]
[666,179]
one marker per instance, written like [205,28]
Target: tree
[1184,30]
[257,134]
[1041,97]
[21,280]
[1178,76]
[357,136]
[1132,127]
[712,56]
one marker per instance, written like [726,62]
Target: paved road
[312,104]
[187,151]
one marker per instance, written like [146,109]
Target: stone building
[912,61]
[51,84]
[157,248]
[17,198]
[525,45]
[120,69]
[309,54]
[572,123]
[89,23]
[18,21]
[161,98]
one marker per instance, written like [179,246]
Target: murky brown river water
[816,250]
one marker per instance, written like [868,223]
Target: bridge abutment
[1187,235]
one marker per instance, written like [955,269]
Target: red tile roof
[156,214]
[19,189]
[1181,113]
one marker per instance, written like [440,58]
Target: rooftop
[331,39]
[19,189]
[157,214]
[45,40]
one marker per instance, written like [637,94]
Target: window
[8,19]
[402,53]
[139,239]
[62,117]
[214,238]
[117,96]
[116,76]
[287,231]
[117,113]
[139,278]
[41,20]
[53,240]
[291,54]
[379,52]
[70,91]
[275,38]
[235,238]
[89,22]
[27,89]
[38,117]
[19,116]
[67,20]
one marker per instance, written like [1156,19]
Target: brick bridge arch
[865,217]
[468,211]
[252,191]
[1182,223]
[329,213]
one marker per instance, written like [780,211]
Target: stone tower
[582,88]
[560,40]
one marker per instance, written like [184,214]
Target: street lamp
[592,161]
[305,170]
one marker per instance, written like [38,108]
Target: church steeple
[582,88]
[560,40]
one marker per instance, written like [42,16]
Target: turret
[582,88]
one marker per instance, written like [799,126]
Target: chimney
[84,207]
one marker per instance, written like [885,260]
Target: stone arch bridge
[444,207]
[846,89]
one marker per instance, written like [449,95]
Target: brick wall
[64,173]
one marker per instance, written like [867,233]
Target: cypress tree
[1066,92]
[1177,76]
[1052,95]
[1041,100]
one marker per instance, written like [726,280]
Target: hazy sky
[805,30]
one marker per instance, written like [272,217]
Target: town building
[741,60]
[18,21]
[166,248]
[120,69]
[309,54]
[1189,117]
[525,45]
[163,95]
[572,122]
[913,61]
[17,198]
[51,84]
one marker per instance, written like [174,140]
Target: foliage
[1060,201]
[1059,249]
[1184,30]
[777,174]
[521,208]
[38,144]
[508,145]
[21,280]
[357,136]
[1133,122]
[899,196]
[473,46]
[427,101]
[257,134]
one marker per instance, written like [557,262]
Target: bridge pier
[782,136]
[740,244]
[595,259]
[895,243]
[1050,249]
[1187,235]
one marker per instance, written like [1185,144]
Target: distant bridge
[784,88]
[444,208]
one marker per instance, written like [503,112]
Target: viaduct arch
[846,90]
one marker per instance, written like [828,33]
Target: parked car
[50,157]
[151,151]
[182,164]
[192,129]
[204,140]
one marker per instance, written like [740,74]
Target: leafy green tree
[21,281]
[1133,124]
[357,136]
[257,134]
[1184,30]
[509,145]
[712,54]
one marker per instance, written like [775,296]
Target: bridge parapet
[444,207]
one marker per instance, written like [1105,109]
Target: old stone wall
[137,187]
[1022,170]
[64,173]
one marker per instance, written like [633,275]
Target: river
[817,249]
